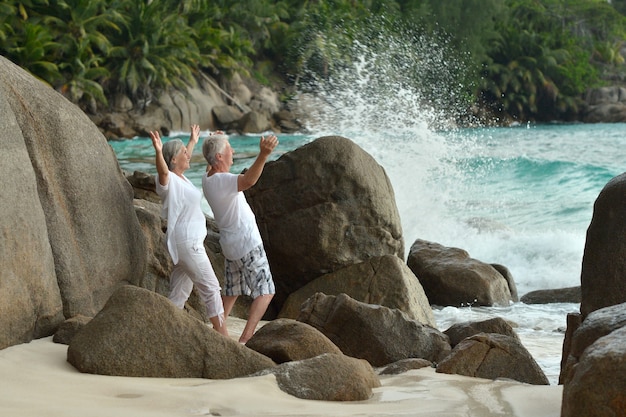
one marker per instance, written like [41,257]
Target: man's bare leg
[229,302]
[257,310]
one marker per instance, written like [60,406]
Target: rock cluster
[240,106]
[244,106]
[605,105]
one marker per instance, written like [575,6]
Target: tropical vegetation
[521,59]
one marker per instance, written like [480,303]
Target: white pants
[194,268]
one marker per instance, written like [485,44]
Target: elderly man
[247,270]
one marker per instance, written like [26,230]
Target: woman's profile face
[181,160]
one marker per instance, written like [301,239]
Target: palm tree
[8,11]
[532,74]
[609,52]
[155,49]
[222,50]
[322,34]
[25,41]
[79,27]
[231,32]
[32,49]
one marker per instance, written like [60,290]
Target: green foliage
[588,19]
[33,49]
[154,49]
[90,49]
[540,67]
[529,59]
[619,5]
[25,41]
[221,50]
[609,52]
[321,34]
[78,27]
[470,24]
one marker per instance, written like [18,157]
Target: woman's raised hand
[195,133]
[156,141]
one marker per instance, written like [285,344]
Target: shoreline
[40,381]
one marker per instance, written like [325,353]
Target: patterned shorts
[249,275]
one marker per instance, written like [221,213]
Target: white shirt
[181,207]
[239,233]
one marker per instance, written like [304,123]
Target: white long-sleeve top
[181,207]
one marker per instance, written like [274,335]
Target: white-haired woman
[186,228]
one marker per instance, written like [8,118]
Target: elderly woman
[186,228]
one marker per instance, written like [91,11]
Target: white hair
[170,150]
[213,145]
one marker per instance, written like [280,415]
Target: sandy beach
[38,381]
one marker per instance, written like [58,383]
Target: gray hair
[213,145]
[170,150]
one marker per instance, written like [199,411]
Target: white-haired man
[247,270]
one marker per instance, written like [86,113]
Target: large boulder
[510,281]
[573,320]
[597,387]
[327,377]
[70,235]
[253,109]
[322,207]
[492,356]
[557,295]
[377,334]
[69,328]
[603,274]
[384,280]
[597,324]
[265,101]
[141,333]
[286,340]
[405,365]
[253,122]
[241,93]
[451,278]
[605,113]
[459,331]
[226,115]
[144,187]
[158,261]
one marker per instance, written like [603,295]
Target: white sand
[38,381]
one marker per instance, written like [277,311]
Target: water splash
[394,100]
[398,100]
[395,82]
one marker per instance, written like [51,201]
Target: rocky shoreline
[243,106]
[82,249]
[239,106]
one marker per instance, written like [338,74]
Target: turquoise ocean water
[518,196]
